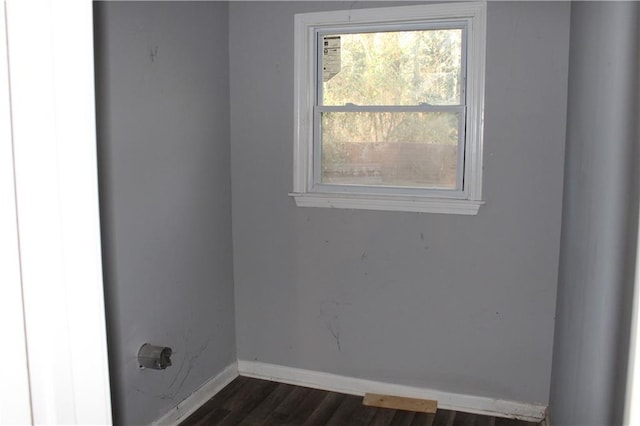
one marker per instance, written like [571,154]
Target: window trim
[466,202]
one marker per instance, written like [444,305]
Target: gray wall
[163,138]
[599,216]
[456,303]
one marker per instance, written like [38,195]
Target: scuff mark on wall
[186,345]
[175,378]
[330,312]
[336,335]
[189,360]
[153,53]
[192,363]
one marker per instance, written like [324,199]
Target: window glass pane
[407,149]
[392,68]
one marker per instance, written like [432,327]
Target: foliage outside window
[389,108]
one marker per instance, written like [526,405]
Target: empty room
[301,203]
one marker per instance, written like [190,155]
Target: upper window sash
[427,25]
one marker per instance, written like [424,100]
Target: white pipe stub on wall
[155,357]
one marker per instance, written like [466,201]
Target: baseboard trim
[197,399]
[355,386]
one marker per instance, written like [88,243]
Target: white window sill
[388,203]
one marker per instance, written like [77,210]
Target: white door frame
[56,284]
[632,403]
[15,402]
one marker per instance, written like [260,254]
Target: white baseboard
[197,399]
[354,386]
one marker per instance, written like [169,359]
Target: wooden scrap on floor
[400,403]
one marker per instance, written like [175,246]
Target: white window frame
[307,192]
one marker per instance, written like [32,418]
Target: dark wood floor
[255,402]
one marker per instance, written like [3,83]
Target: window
[389,108]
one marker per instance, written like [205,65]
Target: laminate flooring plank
[362,416]
[325,410]
[464,419]
[423,419]
[245,400]
[342,416]
[485,421]
[300,409]
[213,417]
[382,417]
[247,393]
[259,414]
[402,418]
[215,402]
[296,407]
[444,418]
